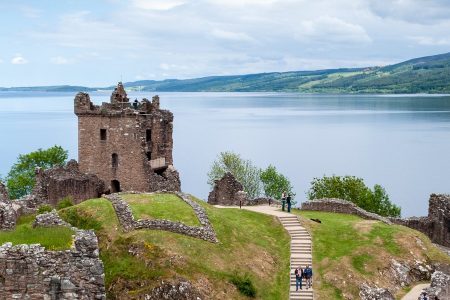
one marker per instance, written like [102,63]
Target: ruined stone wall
[226,191]
[32,272]
[437,224]
[140,137]
[341,206]
[3,192]
[56,183]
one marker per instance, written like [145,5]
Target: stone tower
[127,145]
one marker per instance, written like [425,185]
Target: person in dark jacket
[308,275]
[288,201]
[298,278]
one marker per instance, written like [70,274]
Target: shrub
[244,285]
[64,203]
[44,208]
[275,183]
[80,219]
[354,189]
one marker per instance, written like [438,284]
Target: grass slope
[348,251]
[54,238]
[251,244]
[161,206]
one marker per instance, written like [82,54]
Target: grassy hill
[347,250]
[429,74]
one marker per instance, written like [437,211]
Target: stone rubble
[8,216]
[440,286]
[182,290]
[374,293]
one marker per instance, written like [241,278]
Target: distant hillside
[429,74]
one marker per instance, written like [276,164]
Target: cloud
[238,3]
[157,4]
[332,30]
[232,36]
[60,60]
[30,12]
[431,41]
[18,59]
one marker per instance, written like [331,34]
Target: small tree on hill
[354,189]
[275,183]
[21,178]
[244,171]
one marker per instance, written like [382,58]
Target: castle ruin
[127,145]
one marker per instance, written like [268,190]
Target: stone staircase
[301,254]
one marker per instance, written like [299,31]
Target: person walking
[283,200]
[288,200]
[308,275]
[298,278]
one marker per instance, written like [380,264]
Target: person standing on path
[283,200]
[308,275]
[298,278]
[288,200]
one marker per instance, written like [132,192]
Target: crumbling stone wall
[8,215]
[437,224]
[126,219]
[439,287]
[56,183]
[32,272]
[341,206]
[226,191]
[128,146]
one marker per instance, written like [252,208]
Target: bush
[44,209]
[244,285]
[21,178]
[64,203]
[275,183]
[354,189]
[80,219]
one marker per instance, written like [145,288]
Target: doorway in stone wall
[115,186]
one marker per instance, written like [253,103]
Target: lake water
[400,142]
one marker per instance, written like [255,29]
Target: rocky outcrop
[341,206]
[125,216]
[439,287]
[374,293]
[406,273]
[226,191]
[32,272]
[437,224]
[182,290]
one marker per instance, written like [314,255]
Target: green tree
[275,183]
[244,171]
[353,189]
[21,178]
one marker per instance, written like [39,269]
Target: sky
[97,43]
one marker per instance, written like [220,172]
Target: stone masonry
[126,219]
[32,272]
[341,206]
[437,224]
[57,183]
[127,145]
[8,215]
[226,191]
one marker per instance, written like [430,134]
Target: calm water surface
[402,143]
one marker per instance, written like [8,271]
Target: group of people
[305,274]
[286,199]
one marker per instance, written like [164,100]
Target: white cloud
[18,59]
[30,12]
[326,29]
[157,4]
[232,36]
[60,60]
[431,41]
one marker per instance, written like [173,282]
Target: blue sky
[96,43]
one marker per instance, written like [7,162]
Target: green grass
[253,245]
[346,245]
[52,238]
[161,206]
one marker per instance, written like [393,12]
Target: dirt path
[301,245]
[414,293]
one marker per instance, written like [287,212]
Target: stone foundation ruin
[127,145]
[8,215]
[437,224]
